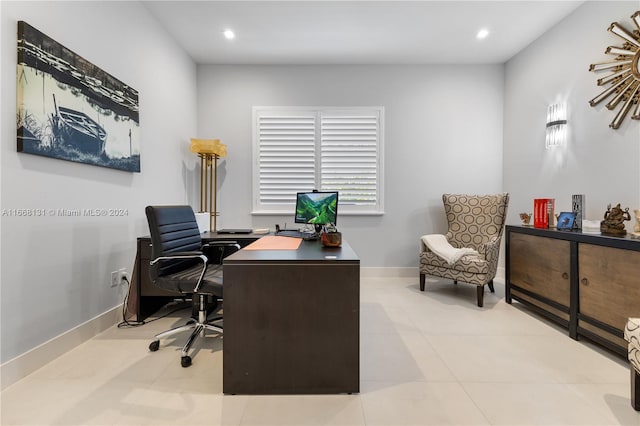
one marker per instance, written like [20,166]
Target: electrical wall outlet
[122,276]
[115,278]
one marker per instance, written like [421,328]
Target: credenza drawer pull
[565,275]
[585,281]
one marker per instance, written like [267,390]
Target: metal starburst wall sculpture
[623,80]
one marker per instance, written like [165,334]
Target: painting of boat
[77,129]
[70,109]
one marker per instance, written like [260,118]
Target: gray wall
[597,161]
[443,133]
[55,271]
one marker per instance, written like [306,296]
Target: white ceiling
[357,32]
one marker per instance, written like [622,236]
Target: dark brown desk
[292,321]
[145,298]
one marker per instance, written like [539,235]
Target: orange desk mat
[274,242]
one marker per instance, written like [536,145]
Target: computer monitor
[317,208]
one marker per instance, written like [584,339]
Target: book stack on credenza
[543,210]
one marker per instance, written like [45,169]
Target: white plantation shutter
[287,157]
[349,157]
[329,149]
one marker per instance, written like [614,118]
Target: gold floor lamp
[209,150]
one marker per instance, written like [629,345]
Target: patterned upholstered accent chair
[475,221]
[632,335]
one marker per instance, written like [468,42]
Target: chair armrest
[187,255]
[181,255]
[221,243]
[218,250]
[491,250]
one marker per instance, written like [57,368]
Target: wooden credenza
[588,283]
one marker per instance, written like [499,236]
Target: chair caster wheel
[191,321]
[185,361]
[153,346]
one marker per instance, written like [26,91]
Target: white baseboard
[391,272]
[25,364]
[404,272]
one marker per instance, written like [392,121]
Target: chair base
[199,327]
[479,289]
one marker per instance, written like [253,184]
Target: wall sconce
[209,150]
[556,125]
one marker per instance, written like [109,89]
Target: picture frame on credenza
[566,220]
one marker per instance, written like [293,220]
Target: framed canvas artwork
[70,109]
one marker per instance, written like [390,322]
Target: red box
[543,210]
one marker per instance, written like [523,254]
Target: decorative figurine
[636,226]
[614,218]
[526,218]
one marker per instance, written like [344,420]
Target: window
[328,149]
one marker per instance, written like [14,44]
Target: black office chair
[182,263]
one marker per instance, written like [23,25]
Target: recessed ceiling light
[229,35]
[483,33]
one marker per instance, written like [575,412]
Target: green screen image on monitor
[318,208]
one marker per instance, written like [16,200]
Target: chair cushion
[468,269]
[632,335]
[467,263]
[185,281]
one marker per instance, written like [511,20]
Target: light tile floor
[427,358]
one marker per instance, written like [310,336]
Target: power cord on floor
[125,323]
